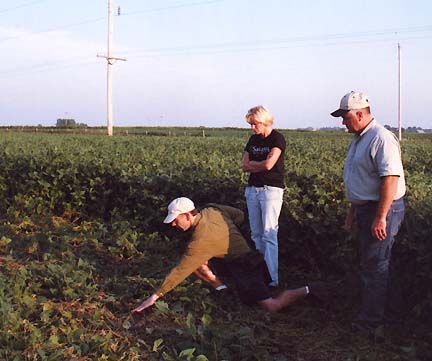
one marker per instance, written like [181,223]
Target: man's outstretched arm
[191,260]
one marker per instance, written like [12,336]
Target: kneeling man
[216,234]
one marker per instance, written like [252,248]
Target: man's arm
[191,260]
[252,166]
[388,189]
[203,272]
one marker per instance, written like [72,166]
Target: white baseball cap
[178,206]
[351,101]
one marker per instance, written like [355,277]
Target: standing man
[215,233]
[375,186]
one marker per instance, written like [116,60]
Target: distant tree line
[64,122]
[409,129]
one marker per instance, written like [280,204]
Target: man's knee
[375,266]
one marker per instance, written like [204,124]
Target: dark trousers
[249,273]
[377,281]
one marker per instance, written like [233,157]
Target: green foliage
[82,243]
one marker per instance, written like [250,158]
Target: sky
[206,62]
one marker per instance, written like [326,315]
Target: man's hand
[388,189]
[379,228]
[147,303]
[349,219]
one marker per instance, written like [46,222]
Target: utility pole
[110,62]
[399,93]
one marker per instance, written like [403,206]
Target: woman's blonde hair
[259,114]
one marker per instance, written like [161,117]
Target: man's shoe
[222,293]
[319,290]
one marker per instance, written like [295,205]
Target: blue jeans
[264,205]
[375,261]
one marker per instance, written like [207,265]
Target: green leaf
[206,320]
[28,300]
[162,307]
[67,314]
[190,323]
[54,339]
[201,358]
[187,353]
[81,263]
[4,241]
[156,344]
[41,353]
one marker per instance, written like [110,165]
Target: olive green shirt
[215,234]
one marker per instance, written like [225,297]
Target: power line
[53,29]
[41,68]
[268,48]
[90,21]
[233,47]
[61,64]
[38,66]
[272,43]
[231,44]
[31,3]
[198,3]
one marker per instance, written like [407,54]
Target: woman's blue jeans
[264,206]
[375,260]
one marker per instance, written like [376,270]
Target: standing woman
[264,160]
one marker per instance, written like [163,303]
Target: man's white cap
[351,101]
[178,206]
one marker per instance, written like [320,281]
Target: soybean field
[82,243]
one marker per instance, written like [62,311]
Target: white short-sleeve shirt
[373,154]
